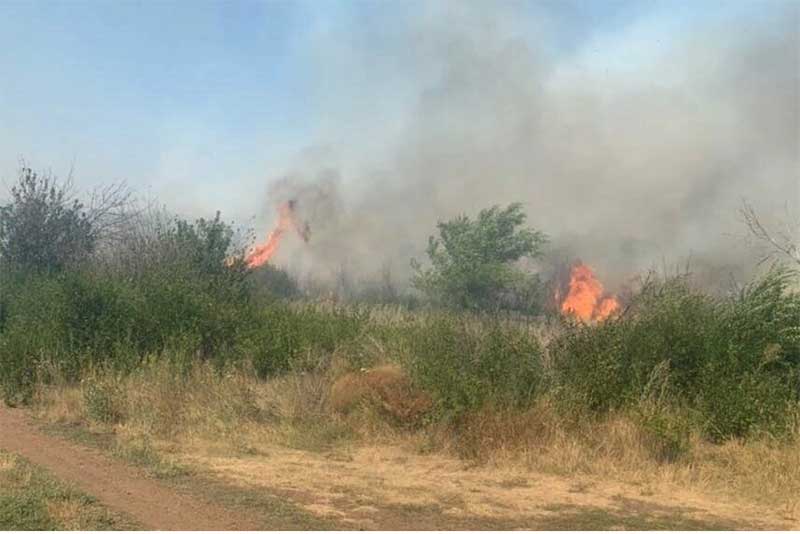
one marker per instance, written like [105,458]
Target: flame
[261,254]
[585,298]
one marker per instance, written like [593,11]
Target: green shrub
[35,326]
[732,360]
[473,261]
[74,318]
[273,283]
[281,333]
[667,431]
[466,365]
[44,228]
[101,395]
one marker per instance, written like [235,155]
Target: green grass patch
[31,499]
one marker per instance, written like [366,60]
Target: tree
[779,242]
[44,228]
[472,262]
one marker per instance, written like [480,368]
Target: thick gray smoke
[635,157]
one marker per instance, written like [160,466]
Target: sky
[208,105]
[187,98]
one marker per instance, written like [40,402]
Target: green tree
[473,261]
[43,228]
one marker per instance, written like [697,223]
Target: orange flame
[585,298]
[261,254]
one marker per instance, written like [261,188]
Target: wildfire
[260,254]
[586,298]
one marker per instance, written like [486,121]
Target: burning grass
[287,219]
[585,298]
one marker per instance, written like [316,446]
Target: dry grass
[385,388]
[201,413]
[620,448]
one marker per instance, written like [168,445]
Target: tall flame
[261,254]
[585,298]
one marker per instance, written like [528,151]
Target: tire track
[115,484]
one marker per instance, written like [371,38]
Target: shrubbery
[679,359]
[280,334]
[468,363]
[733,362]
[472,262]
[162,284]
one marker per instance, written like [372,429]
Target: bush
[43,228]
[102,397]
[732,360]
[186,298]
[472,261]
[282,333]
[273,283]
[465,365]
[385,389]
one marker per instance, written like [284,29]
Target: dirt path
[115,484]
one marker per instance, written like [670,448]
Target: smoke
[631,150]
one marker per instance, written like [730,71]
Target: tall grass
[682,384]
[730,364]
[162,408]
[77,319]
[724,366]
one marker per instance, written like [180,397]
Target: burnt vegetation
[113,286]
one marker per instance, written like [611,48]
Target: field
[472,403]
[450,265]
[380,417]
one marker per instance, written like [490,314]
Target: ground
[358,487]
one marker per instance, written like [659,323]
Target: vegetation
[730,363]
[472,262]
[156,329]
[30,499]
[43,228]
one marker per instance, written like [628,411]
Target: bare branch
[780,242]
[110,207]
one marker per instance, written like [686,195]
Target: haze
[630,131]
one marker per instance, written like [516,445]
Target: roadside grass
[620,446]
[31,499]
[234,414]
[634,516]
[277,512]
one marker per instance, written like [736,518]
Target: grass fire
[586,299]
[287,220]
[452,265]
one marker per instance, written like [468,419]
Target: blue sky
[202,102]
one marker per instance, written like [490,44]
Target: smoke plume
[631,150]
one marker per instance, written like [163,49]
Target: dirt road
[113,483]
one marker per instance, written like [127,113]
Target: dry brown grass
[67,514]
[203,413]
[386,388]
[618,447]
